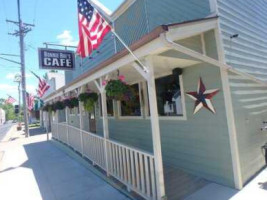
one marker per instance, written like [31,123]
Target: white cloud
[11,76]
[14,88]
[65,38]
[31,89]
[8,88]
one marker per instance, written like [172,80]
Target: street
[4,129]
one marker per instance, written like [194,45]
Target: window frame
[183,117]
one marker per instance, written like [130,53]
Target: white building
[55,80]
[2,116]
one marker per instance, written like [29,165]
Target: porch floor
[180,184]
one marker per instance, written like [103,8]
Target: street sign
[55,59]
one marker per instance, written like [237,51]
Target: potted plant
[116,89]
[71,102]
[59,105]
[48,107]
[89,100]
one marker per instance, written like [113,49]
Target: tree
[9,109]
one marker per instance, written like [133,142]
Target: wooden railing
[131,166]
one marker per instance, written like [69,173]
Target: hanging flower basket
[45,107]
[59,105]
[48,108]
[71,102]
[117,90]
[89,100]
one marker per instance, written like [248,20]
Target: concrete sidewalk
[254,190]
[34,169]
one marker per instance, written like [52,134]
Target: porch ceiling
[163,63]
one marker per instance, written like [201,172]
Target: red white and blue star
[202,97]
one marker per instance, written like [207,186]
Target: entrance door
[92,122]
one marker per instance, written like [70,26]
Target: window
[169,98]
[132,107]
[110,109]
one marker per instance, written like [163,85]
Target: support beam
[155,130]
[230,115]
[81,123]
[207,59]
[67,122]
[102,91]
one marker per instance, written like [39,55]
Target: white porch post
[41,118]
[81,124]
[102,91]
[155,130]
[57,121]
[67,123]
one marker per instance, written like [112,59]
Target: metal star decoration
[202,97]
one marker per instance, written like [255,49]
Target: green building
[201,102]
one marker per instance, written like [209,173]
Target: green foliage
[59,105]
[116,89]
[9,109]
[89,100]
[71,103]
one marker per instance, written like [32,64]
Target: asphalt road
[4,129]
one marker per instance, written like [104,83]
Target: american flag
[92,28]
[30,101]
[10,100]
[42,86]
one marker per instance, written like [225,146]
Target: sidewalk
[34,169]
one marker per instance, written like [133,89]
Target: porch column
[155,129]
[57,121]
[81,123]
[41,118]
[102,91]
[67,123]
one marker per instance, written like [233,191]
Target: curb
[90,167]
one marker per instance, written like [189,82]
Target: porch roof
[184,29]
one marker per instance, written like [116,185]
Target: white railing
[54,130]
[93,149]
[75,138]
[62,132]
[132,167]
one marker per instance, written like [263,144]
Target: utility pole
[23,30]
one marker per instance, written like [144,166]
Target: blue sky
[55,21]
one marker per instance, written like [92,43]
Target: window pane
[132,107]
[110,110]
[169,96]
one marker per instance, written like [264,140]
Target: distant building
[2,116]
[55,80]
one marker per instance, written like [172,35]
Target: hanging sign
[55,59]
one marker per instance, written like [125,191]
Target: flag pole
[128,48]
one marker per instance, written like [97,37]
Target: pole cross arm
[10,60]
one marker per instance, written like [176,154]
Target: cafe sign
[55,59]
